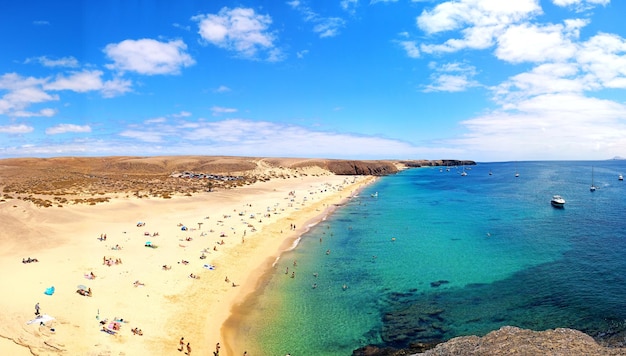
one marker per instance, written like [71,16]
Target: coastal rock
[509,340]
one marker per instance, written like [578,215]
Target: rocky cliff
[508,340]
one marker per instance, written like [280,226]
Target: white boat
[374,195]
[557,201]
[463,173]
[593,187]
[620,177]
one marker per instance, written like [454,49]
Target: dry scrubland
[48,182]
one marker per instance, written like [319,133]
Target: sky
[484,80]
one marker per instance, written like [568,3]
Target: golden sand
[166,304]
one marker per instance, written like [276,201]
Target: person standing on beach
[37,309]
[181,343]
[188,349]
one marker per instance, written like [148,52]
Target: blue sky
[487,80]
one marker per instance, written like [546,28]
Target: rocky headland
[507,340]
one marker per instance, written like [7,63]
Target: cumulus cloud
[81,82]
[240,30]
[16,129]
[21,93]
[478,21]
[532,43]
[148,56]
[65,128]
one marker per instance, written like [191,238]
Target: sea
[428,254]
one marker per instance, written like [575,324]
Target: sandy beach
[167,268]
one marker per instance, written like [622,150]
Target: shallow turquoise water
[437,255]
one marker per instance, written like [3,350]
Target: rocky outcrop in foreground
[509,340]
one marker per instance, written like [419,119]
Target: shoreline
[230,326]
[166,305]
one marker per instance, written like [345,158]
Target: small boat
[593,187]
[490,173]
[374,195]
[557,201]
[620,177]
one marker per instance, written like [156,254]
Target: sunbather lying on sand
[86,293]
[138,284]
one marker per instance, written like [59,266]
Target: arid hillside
[70,180]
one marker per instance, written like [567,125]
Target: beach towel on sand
[49,291]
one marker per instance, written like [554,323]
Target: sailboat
[620,177]
[463,173]
[593,187]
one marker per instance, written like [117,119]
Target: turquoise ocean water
[437,255]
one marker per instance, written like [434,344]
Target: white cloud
[70,62]
[148,56]
[65,128]
[46,112]
[222,89]
[182,114]
[603,59]
[301,54]
[241,30]
[218,110]
[21,92]
[16,129]
[410,47]
[349,5]
[580,5]
[567,126]
[77,81]
[532,43]
[452,77]
[328,26]
[479,21]
[260,138]
[89,80]
[323,26]
[115,87]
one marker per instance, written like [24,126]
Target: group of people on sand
[109,261]
[181,344]
[29,260]
[136,331]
